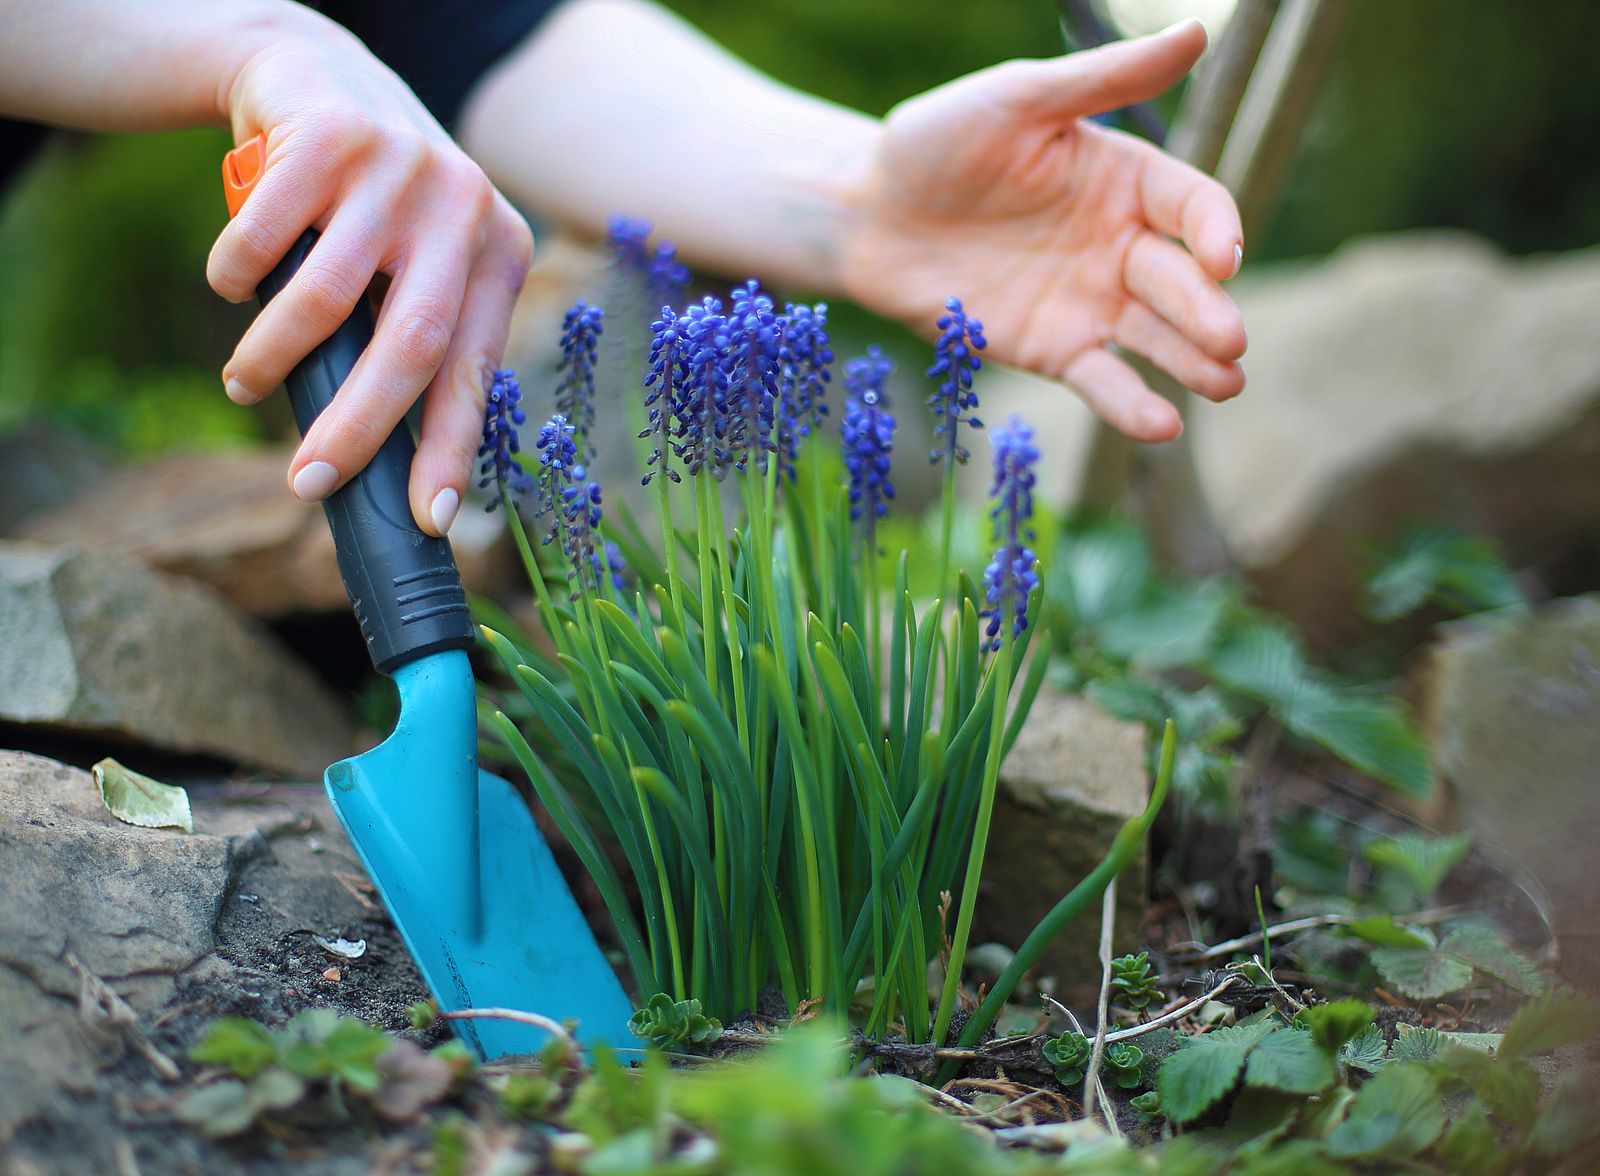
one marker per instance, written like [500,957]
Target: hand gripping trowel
[452,850]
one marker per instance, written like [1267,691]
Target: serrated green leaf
[1422,861]
[1487,951]
[1567,1119]
[1368,731]
[1422,973]
[1549,1022]
[139,800]
[1461,572]
[1291,1061]
[237,1043]
[1206,1069]
[1509,1086]
[1417,1043]
[1262,660]
[1383,931]
[1395,1115]
[1366,1051]
[1333,1024]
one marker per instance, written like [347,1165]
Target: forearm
[129,65]
[618,106]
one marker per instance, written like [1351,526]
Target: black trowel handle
[403,583]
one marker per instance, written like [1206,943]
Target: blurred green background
[1481,116]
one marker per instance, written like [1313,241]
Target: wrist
[263,31]
[820,192]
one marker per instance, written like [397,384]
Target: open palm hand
[1060,234]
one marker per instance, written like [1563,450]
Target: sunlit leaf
[139,800]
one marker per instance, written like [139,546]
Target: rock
[227,519]
[1406,378]
[1074,776]
[1512,700]
[183,927]
[1419,376]
[41,466]
[99,644]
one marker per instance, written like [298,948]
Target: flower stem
[1001,668]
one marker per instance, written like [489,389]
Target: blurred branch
[1267,131]
[1082,28]
[1242,116]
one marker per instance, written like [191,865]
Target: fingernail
[445,505]
[315,482]
[1238,257]
[237,392]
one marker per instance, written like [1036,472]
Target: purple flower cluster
[502,414]
[803,358]
[868,429]
[1010,578]
[662,275]
[752,395]
[580,337]
[955,357]
[572,500]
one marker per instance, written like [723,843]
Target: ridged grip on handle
[403,583]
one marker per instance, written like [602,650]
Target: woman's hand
[1061,235]
[351,152]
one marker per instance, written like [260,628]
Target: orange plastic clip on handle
[241,168]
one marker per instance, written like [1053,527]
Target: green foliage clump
[317,1051]
[1459,572]
[673,1024]
[1133,983]
[1136,641]
[1124,1064]
[1069,1054]
[1296,1097]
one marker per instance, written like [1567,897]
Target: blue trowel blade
[466,875]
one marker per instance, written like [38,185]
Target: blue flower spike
[752,395]
[1011,577]
[580,517]
[657,268]
[955,358]
[558,459]
[667,366]
[804,356]
[502,414]
[580,337]
[868,429]
[700,425]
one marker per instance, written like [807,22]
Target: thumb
[1096,80]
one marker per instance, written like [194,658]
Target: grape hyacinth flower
[580,515]
[701,407]
[663,276]
[627,237]
[502,414]
[752,396]
[665,376]
[955,357]
[803,358]
[868,429]
[558,463]
[1010,577]
[608,563]
[580,334]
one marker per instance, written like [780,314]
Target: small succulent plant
[1069,1054]
[1133,984]
[674,1024]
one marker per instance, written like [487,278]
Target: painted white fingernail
[1238,258]
[445,505]
[315,482]
[238,393]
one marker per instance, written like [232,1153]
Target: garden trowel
[452,850]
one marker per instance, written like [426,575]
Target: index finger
[1183,202]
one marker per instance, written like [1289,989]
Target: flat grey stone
[1513,712]
[1073,778]
[101,644]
